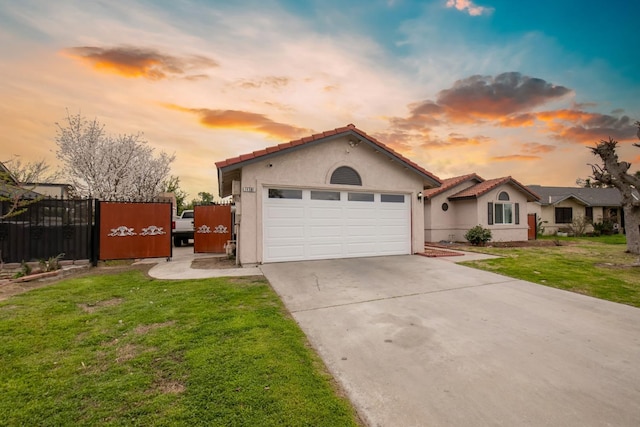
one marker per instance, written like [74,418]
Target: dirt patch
[617,266]
[170,387]
[90,308]
[143,329]
[213,263]
[126,352]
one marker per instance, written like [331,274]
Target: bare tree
[14,196]
[109,167]
[32,172]
[614,173]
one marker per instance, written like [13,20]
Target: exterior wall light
[420,195]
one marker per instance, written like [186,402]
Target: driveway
[418,341]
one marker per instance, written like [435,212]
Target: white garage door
[321,224]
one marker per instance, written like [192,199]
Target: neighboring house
[463,202]
[337,194]
[56,191]
[558,207]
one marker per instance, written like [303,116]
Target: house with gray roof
[558,207]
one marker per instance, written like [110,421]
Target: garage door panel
[282,232]
[323,251]
[360,231]
[305,228]
[361,213]
[321,212]
[285,212]
[361,249]
[286,253]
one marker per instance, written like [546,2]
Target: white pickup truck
[182,228]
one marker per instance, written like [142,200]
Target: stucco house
[463,202]
[336,194]
[559,206]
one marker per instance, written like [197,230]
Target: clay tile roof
[450,183]
[483,187]
[235,161]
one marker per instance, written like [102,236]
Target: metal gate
[129,230]
[212,228]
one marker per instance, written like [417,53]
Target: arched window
[503,196]
[345,175]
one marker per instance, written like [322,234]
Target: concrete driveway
[417,341]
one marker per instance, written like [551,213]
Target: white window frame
[502,207]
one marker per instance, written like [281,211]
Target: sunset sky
[494,87]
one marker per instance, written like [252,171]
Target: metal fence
[47,228]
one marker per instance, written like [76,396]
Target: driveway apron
[416,341]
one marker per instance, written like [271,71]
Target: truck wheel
[177,241]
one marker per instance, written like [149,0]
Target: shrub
[604,228]
[478,236]
[578,226]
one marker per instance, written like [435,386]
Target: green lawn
[596,266]
[125,349]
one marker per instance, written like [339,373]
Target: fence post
[95,234]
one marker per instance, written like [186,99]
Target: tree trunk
[632,228]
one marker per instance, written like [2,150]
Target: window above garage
[345,175]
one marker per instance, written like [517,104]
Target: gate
[47,228]
[212,225]
[532,232]
[129,230]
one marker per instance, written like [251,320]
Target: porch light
[420,195]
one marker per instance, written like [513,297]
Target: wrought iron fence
[47,228]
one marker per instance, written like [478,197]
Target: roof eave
[431,180]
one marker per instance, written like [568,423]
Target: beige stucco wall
[311,167]
[465,214]
[450,225]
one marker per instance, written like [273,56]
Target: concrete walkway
[179,267]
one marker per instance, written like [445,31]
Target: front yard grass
[125,349]
[597,266]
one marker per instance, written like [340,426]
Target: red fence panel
[134,230]
[212,228]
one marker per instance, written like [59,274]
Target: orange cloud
[537,148]
[486,97]
[586,128]
[515,158]
[459,140]
[245,121]
[519,120]
[137,62]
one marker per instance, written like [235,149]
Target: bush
[604,228]
[578,226]
[478,236]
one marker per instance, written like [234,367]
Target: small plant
[52,264]
[25,270]
[478,236]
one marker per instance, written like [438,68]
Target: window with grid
[564,215]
